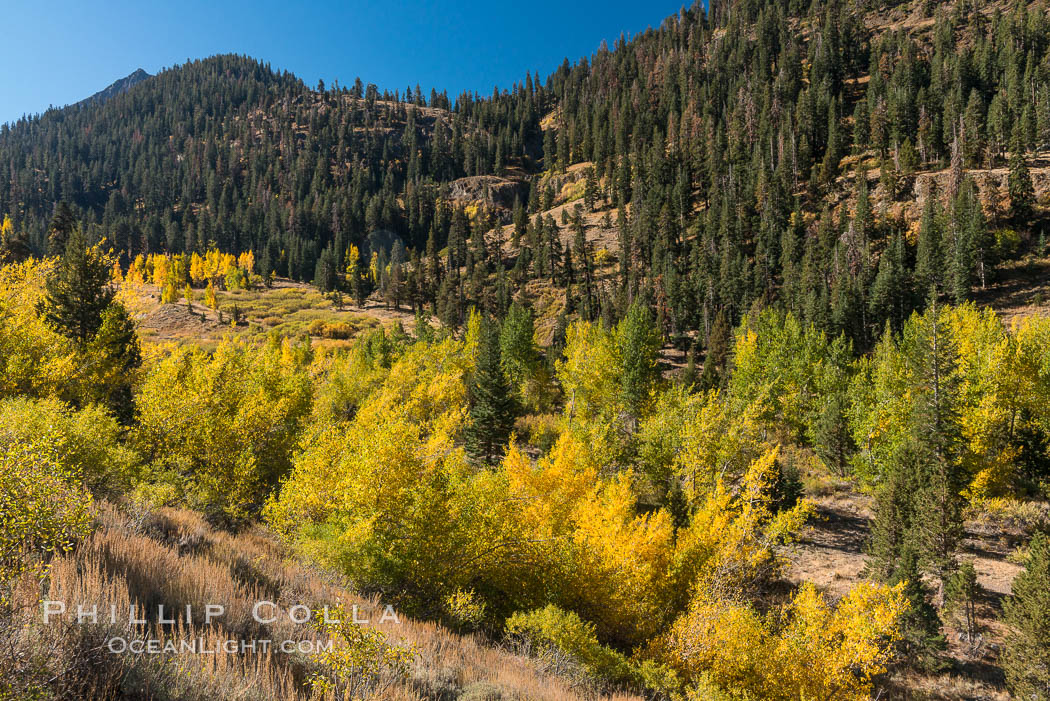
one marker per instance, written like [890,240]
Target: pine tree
[960,598]
[1026,657]
[492,405]
[638,343]
[519,356]
[921,638]
[78,291]
[890,297]
[61,227]
[116,353]
[831,434]
[891,529]
[929,257]
[719,345]
[326,273]
[936,439]
[972,242]
[1019,183]
[918,507]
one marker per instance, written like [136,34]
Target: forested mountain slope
[725,147]
[722,145]
[838,493]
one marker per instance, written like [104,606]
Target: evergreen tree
[117,355]
[921,639]
[918,505]
[891,536]
[891,291]
[1021,189]
[719,345]
[637,344]
[326,274]
[972,244]
[831,434]
[61,227]
[1026,656]
[935,434]
[929,257]
[78,291]
[519,356]
[960,598]
[492,405]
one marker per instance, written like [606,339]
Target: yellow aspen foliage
[246,262]
[353,260]
[716,444]
[1000,391]
[784,370]
[7,229]
[587,372]
[390,507]
[43,510]
[1033,338]
[179,274]
[623,560]
[169,294]
[136,274]
[805,650]
[209,296]
[161,270]
[588,375]
[360,659]
[566,632]
[34,360]
[213,264]
[198,269]
[427,385]
[729,545]
[222,427]
[401,503]
[550,491]
[373,267]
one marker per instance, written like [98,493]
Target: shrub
[465,610]
[564,633]
[223,427]
[541,430]
[43,510]
[85,442]
[360,662]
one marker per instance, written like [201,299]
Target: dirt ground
[831,554]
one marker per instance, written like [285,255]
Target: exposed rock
[117,87]
[493,190]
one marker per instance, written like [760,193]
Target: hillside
[714,365]
[171,556]
[724,150]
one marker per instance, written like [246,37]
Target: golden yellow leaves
[360,662]
[173,273]
[43,508]
[804,649]
[224,427]
[34,359]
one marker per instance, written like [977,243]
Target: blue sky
[60,51]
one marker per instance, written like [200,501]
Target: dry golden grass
[288,308]
[139,559]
